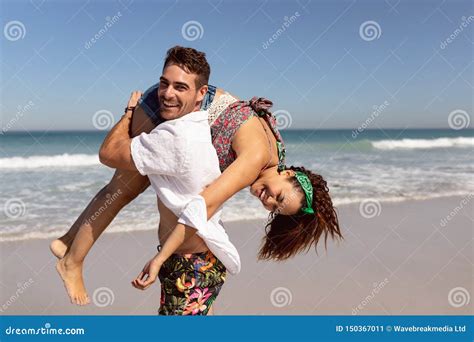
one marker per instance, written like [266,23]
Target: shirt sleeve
[212,232]
[161,152]
[194,213]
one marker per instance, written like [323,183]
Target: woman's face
[276,192]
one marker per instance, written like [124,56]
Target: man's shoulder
[193,125]
[182,132]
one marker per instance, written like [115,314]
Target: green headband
[308,191]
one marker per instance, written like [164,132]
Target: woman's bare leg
[59,247]
[123,188]
[73,247]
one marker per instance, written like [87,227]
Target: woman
[251,153]
[299,201]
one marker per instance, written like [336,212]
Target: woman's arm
[253,152]
[241,173]
[252,149]
[151,269]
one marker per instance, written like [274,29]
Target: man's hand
[148,275]
[132,103]
[136,95]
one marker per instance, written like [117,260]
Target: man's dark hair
[190,60]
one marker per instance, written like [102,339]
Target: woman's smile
[263,194]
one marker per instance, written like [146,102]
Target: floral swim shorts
[190,283]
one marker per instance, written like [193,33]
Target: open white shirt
[179,159]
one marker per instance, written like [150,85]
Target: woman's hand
[148,275]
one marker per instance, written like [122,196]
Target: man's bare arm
[115,150]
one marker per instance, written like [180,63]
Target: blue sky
[321,69]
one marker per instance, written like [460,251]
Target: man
[180,160]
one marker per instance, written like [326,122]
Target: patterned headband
[308,191]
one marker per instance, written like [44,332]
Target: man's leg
[76,243]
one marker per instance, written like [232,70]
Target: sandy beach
[413,257]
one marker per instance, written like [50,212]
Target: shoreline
[55,234]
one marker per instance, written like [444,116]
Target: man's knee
[123,192]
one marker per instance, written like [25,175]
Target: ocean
[47,178]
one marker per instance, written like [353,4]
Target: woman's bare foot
[59,248]
[71,274]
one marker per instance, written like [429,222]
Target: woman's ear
[289,173]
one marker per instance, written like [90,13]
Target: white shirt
[179,159]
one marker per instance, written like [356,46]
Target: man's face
[177,93]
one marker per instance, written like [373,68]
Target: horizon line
[282,130]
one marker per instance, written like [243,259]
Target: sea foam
[423,143]
[56,161]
